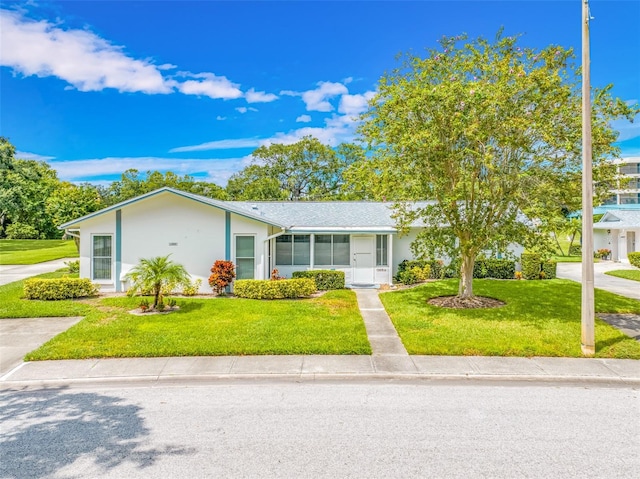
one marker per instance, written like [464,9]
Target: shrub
[325,279]
[517,275]
[531,265]
[416,270]
[575,250]
[494,268]
[22,231]
[267,289]
[73,266]
[144,305]
[222,274]
[58,288]
[191,288]
[634,259]
[549,268]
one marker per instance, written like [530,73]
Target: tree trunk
[465,289]
[555,236]
[156,298]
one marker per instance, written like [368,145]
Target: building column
[117,284]
[312,250]
[227,236]
[613,241]
[390,257]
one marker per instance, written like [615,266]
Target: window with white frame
[101,256]
[293,250]
[331,250]
[245,257]
[382,257]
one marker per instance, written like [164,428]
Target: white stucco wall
[102,225]
[192,232]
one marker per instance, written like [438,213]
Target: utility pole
[588,301]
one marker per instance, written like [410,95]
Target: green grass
[633,274]
[330,324]
[541,318]
[35,251]
[569,259]
[12,306]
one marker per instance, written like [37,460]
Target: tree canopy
[491,133]
[305,170]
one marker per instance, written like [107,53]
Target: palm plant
[152,274]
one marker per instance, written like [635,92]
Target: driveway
[18,336]
[621,286]
[16,272]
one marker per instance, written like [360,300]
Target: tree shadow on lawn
[47,430]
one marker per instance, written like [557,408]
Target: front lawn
[35,251]
[541,318]
[633,274]
[11,306]
[330,324]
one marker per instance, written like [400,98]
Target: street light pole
[588,300]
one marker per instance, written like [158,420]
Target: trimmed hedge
[59,288]
[494,268]
[433,269]
[268,289]
[325,279]
[531,265]
[634,259]
[549,269]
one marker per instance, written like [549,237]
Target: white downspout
[269,256]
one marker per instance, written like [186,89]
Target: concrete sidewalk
[16,272]
[178,369]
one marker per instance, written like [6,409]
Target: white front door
[363,259]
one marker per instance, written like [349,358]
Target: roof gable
[222,205]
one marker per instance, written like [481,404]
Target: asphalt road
[322,430]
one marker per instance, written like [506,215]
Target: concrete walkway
[388,352]
[16,272]
[621,286]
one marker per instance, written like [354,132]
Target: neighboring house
[359,238]
[618,231]
[629,192]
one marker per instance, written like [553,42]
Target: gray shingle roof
[300,215]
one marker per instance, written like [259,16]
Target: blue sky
[95,88]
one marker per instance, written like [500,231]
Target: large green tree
[305,170]
[25,186]
[491,133]
[133,183]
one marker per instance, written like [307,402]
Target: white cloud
[244,109]
[317,100]
[353,105]
[303,119]
[79,57]
[209,85]
[627,129]
[253,96]
[23,155]
[214,169]
[221,118]
[220,145]
[290,93]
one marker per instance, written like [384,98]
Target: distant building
[629,175]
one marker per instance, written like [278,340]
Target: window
[245,257]
[101,257]
[331,250]
[381,250]
[293,249]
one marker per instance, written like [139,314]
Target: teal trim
[227,236]
[118,249]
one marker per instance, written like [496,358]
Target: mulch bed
[474,302]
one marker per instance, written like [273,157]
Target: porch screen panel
[301,249]
[102,254]
[283,250]
[341,250]
[322,250]
[245,257]
[381,250]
